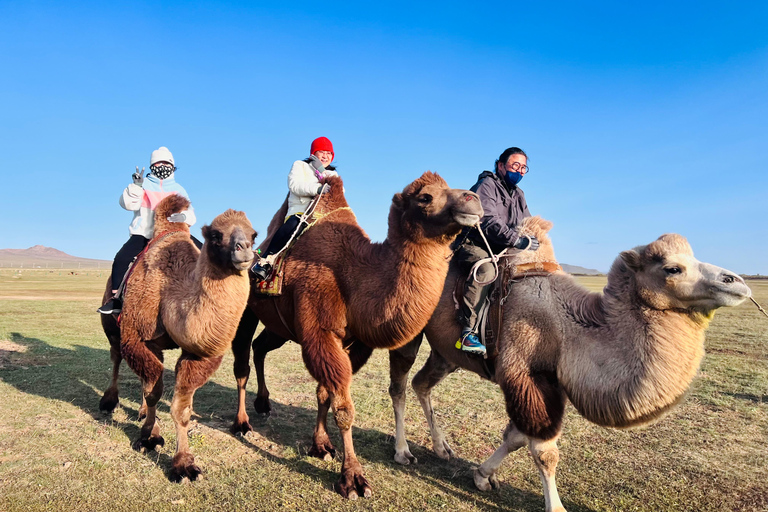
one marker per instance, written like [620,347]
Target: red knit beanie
[321,144]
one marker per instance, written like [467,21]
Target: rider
[141,197]
[505,207]
[305,182]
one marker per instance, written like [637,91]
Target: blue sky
[638,119]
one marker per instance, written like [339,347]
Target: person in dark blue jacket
[504,208]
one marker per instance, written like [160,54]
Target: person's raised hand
[138,176]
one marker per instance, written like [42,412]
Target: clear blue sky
[638,119]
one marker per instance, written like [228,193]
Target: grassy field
[59,453]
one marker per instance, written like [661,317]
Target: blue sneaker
[469,342]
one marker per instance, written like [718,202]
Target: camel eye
[673,270]
[424,199]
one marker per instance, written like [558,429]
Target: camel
[344,296]
[623,357]
[181,297]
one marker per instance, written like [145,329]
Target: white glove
[328,174]
[177,217]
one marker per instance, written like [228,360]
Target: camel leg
[546,456]
[148,365]
[485,475]
[266,342]
[400,363]
[331,366]
[430,375]
[110,398]
[322,448]
[241,348]
[191,373]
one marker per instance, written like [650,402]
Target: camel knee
[343,413]
[546,459]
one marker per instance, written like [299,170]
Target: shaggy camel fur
[182,297]
[623,357]
[339,287]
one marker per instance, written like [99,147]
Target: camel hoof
[352,484]
[184,467]
[405,458]
[443,450]
[325,452]
[241,429]
[485,483]
[108,402]
[147,445]
[262,406]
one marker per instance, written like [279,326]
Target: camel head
[229,241]
[667,276]
[429,209]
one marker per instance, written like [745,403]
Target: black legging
[283,234]
[127,252]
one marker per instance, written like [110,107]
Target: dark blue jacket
[504,209]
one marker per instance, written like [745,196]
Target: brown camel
[182,297]
[340,287]
[623,357]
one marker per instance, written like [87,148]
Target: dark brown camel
[623,358]
[340,287]
[181,297]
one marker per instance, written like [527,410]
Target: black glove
[530,243]
[314,163]
[138,177]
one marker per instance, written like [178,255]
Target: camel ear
[211,234]
[632,260]
[398,201]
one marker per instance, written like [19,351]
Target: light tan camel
[182,297]
[623,357]
[340,287]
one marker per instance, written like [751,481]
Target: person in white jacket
[141,197]
[305,181]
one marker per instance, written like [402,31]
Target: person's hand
[177,217]
[530,243]
[323,188]
[138,176]
[314,163]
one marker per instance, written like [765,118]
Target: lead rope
[494,260]
[758,306]
[303,219]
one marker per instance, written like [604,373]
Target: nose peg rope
[758,306]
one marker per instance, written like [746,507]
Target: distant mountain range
[40,256]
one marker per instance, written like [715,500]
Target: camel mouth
[466,219]
[242,265]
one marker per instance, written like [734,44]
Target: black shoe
[261,271]
[112,307]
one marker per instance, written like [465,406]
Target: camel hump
[173,203]
[535,226]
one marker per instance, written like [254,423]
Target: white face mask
[162,171]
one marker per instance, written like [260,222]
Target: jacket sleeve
[495,223]
[302,181]
[131,197]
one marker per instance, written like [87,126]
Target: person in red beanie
[305,181]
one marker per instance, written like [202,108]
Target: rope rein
[758,306]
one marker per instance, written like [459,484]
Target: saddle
[491,315]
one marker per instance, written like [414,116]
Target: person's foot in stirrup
[112,307]
[261,271]
[469,342]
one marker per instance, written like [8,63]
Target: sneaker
[261,271]
[112,307]
[469,342]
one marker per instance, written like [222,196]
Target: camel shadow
[79,375]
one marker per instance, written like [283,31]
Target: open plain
[59,453]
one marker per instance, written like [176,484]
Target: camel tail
[174,203]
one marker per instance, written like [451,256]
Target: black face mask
[162,171]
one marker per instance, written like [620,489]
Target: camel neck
[635,366]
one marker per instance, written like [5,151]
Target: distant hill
[575,269]
[40,256]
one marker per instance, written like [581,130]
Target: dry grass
[57,452]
